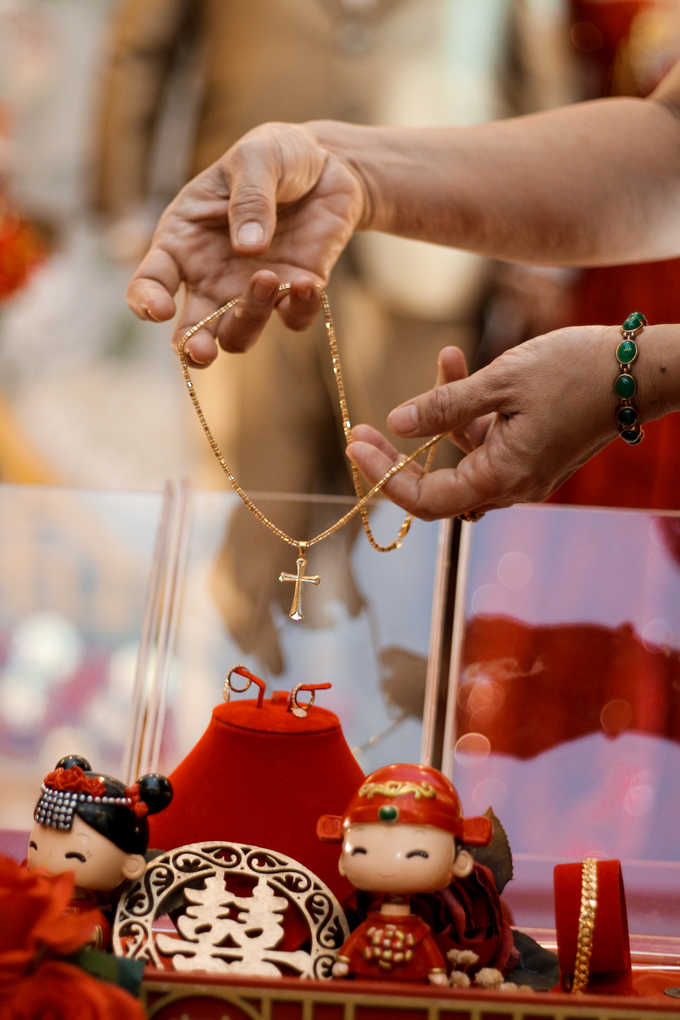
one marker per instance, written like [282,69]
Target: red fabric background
[566,674]
[263,777]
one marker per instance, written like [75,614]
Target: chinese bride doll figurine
[402,835]
[96,827]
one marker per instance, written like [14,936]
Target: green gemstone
[627,416]
[634,321]
[388,813]
[631,436]
[625,386]
[626,352]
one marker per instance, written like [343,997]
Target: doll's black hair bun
[74,759]
[155,791]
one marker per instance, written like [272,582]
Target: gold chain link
[362,498]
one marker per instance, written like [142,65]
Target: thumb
[273,163]
[252,201]
[449,407]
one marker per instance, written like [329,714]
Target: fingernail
[262,290]
[251,233]
[305,293]
[403,419]
[150,314]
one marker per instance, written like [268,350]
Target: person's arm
[592,183]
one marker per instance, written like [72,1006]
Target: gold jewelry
[586,925]
[362,499]
[472,516]
[250,679]
[301,710]
[301,562]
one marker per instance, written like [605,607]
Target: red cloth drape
[558,682]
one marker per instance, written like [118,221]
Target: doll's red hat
[415,794]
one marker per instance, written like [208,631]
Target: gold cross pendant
[299,579]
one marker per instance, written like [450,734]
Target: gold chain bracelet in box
[586,925]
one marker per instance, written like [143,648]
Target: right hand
[527,421]
[278,207]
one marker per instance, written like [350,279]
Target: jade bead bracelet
[626,354]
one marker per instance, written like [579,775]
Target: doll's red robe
[391,947]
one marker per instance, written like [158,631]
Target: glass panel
[568,698]
[74,569]
[366,626]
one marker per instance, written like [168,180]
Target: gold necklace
[299,578]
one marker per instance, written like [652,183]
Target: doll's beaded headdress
[64,789]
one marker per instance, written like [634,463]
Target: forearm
[595,183]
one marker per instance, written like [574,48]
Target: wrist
[358,148]
[657,369]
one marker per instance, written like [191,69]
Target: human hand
[278,207]
[527,421]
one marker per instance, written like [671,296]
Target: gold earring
[229,687]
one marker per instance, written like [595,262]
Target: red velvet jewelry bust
[262,775]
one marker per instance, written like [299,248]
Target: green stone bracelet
[626,353]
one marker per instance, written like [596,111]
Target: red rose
[136,803]
[93,785]
[74,780]
[59,991]
[32,919]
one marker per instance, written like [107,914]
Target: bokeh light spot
[616,716]
[586,37]
[657,634]
[472,749]
[514,570]
[491,793]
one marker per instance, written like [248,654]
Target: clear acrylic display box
[367,626]
[555,699]
[564,698]
[120,614]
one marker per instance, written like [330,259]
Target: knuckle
[248,199]
[250,315]
[439,408]
[419,507]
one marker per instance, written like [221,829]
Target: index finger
[151,291]
[476,482]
